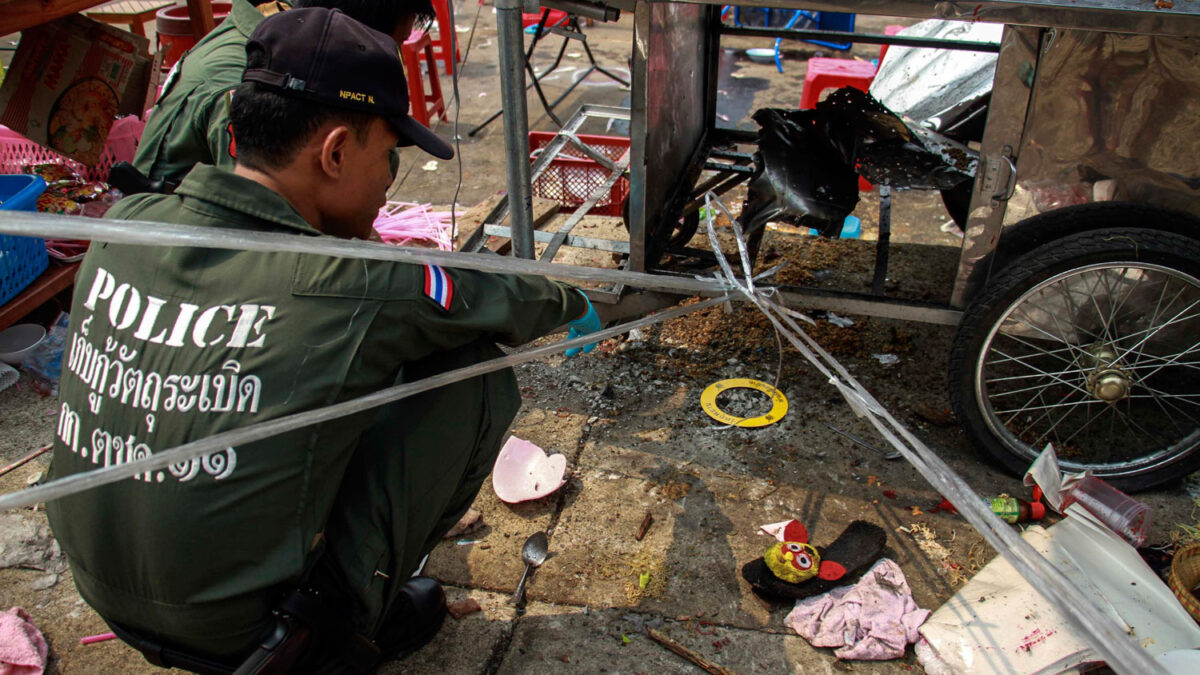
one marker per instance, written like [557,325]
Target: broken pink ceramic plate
[523,471]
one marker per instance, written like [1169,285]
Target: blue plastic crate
[22,259]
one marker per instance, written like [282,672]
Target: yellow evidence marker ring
[779,403]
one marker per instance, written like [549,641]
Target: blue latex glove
[588,323]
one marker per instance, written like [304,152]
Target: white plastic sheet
[999,624]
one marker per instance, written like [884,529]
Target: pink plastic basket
[16,151]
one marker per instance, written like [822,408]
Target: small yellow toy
[794,560]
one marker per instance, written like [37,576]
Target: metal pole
[516,124]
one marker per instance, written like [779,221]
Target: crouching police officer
[190,121]
[296,553]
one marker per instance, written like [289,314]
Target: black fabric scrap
[856,548]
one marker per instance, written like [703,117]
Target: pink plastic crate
[16,151]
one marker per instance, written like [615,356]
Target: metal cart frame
[676,45]
[1085,93]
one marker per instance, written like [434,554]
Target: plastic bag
[44,365]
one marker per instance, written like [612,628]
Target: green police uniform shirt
[172,344]
[190,122]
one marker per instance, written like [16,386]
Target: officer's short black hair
[382,15]
[270,129]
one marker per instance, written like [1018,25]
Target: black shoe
[414,621]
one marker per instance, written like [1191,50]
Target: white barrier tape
[144,233]
[1102,633]
[69,485]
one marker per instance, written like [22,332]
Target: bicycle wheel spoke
[1039,350]
[1012,392]
[1057,338]
[1095,416]
[1131,420]
[1170,401]
[1158,306]
[1167,394]
[1112,421]
[1171,361]
[1072,348]
[1146,331]
[1018,359]
[1154,362]
[1166,413]
[1155,330]
[1046,411]
[1130,286]
[1053,378]
[1024,362]
[1071,306]
[1060,405]
[1013,414]
[1091,296]
[1063,441]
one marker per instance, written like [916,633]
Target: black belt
[300,614]
[315,616]
[168,657]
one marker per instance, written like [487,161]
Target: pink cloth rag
[22,648]
[873,620]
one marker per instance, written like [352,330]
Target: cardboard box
[69,80]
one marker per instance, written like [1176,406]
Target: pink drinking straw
[97,638]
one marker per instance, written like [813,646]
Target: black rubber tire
[1021,238]
[1110,244]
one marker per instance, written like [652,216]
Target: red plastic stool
[447,42]
[424,105]
[890,30]
[825,73]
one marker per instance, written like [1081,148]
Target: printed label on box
[68,81]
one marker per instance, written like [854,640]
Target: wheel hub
[1106,381]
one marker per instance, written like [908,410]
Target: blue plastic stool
[839,21]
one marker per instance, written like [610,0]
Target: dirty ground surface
[639,448]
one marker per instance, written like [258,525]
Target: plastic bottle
[1123,514]
[1014,510]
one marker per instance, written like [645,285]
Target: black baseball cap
[324,56]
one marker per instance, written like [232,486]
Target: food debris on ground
[927,540]
[462,608]
[943,505]
[645,526]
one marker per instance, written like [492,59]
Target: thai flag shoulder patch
[438,286]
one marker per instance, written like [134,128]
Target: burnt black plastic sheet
[889,151]
[808,161]
[802,176]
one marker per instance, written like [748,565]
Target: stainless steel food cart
[1077,293]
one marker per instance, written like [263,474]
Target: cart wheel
[687,228]
[1089,342]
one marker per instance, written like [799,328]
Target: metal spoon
[534,554]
